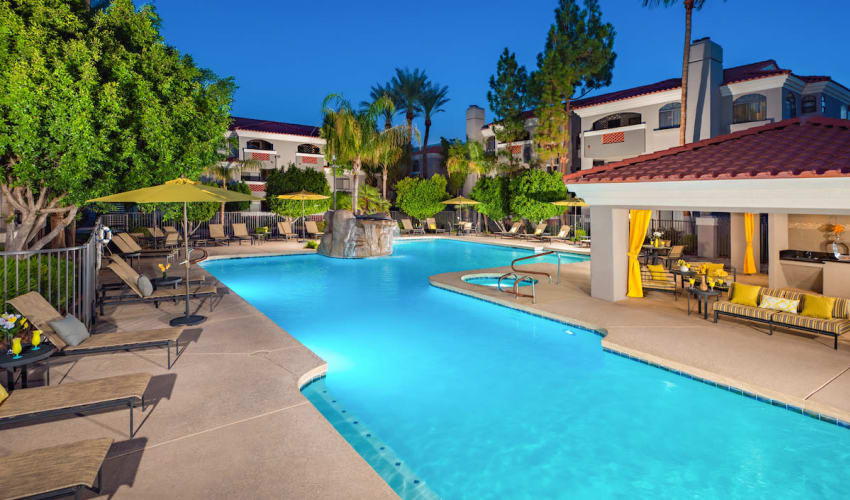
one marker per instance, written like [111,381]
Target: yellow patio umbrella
[572,202]
[459,200]
[303,196]
[179,191]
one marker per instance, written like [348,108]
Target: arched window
[309,149]
[790,106]
[617,120]
[670,115]
[259,144]
[810,104]
[749,108]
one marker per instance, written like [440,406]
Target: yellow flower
[838,228]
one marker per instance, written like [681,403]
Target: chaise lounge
[240,232]
[407,227]
[131,278]
[513,231]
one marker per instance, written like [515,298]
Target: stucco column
[777,239]
[738,240]
[609,228]
[707,237]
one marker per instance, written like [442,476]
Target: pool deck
[229,419]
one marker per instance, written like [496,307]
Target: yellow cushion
[816,306]
[657,272]
[746,295]
[433,227]
[3,394]
[779,304]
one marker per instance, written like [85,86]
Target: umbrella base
[188,320]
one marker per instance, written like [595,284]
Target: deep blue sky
[286,56]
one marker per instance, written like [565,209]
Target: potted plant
[12,325]
[683,266]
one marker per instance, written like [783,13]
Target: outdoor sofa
[40,313]
[60,470]
[73,398]
[658,279]
[836,325]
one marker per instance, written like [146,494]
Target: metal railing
[66,277]
[679,232]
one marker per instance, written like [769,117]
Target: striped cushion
[741,310]
[773,292]
[841,310]
[659,284]
[837,326]
[792,294]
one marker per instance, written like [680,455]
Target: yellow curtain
[749,228]
[639,223]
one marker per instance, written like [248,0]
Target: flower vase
[684,269]
[703,285]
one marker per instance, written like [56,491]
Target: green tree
[92,103]
[465,158]
[420,198]
[431,101]
[493,195]
[578,58]
[690,6]
[196,212]
[508,98]
[292,180]
[532,193]
[224,169]
[407,88]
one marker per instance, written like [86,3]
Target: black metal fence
[679,232]
[134,221]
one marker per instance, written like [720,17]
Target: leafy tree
[532,193]
[196,212]
[508,99]
[431,101]
[238,206]
[690,6]
[578,58]
[493,195]
[92,103]
[465,158]
[292,180]
[420,198]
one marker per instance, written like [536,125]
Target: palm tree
[689,5]
[407,88]
[388,150]
[467,158]
[350,135]
[431,101]
[378,91]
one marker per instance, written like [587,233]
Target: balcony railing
[619,142]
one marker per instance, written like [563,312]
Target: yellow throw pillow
[433,227]
[780,304]
[713,269]
[746,295]
[816,306]
[657,272]
[3,394]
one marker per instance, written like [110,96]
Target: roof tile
[273,127]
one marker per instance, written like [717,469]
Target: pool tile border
[601,332]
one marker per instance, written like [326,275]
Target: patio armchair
[73,398]
[284,230]
[432,226]
[673,256]
[131,278]
[513,231]
[407,227]
[240,232]
[657,278]
[55,471]
[312,229]
[217,234]
[40,313]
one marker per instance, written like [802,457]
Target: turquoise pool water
[459,398]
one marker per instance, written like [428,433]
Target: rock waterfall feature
[350,237]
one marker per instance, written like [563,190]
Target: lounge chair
[513,231]
[155,232]
[284,230]
[169,229]
[468,228]
[312,229]
[170,240]
[407,227]
[561,236]
[432,226]
[130,278]
[240,232]
[24,405]
[217,234]
[40,313]
[538,232]
[56,471]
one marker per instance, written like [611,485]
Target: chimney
[474,123]
[705,75]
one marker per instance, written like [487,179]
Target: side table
[28,357]
[702,297]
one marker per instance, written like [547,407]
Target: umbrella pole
[303,222]
[187,319]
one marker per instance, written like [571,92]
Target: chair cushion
[779,304]
[836,326]
[71,330]
[3,394]
[659,284]
[742,310]
[657,272]
[145,285]
[816,306]
[745,295]
[841,309]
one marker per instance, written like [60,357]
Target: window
[809,104]
[843,111]
[670,115]
[491,144]
[309,149]
[598,163]
[822,104]
[790,106]
[617,120]
[526,153]
[749,108]
[259,144]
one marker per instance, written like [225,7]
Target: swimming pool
[474,400]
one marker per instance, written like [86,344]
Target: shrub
[30,276]
[238,206]
[532,193]
[493,197]
[421,198]
[312,244]
[578,234]
[292,180]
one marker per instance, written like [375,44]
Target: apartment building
[618,125]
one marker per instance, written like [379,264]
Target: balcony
[308,160]
[614,143]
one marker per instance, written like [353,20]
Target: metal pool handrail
[515,288]
[549,252]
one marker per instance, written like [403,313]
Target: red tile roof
[273,127]
[810,147]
